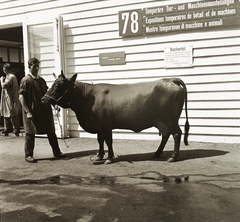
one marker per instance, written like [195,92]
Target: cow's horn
[62,75]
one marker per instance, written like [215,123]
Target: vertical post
[60,65]
[25,47]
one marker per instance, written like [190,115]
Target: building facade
[139,40]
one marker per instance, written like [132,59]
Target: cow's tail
[179,82]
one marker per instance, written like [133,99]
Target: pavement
[203,185]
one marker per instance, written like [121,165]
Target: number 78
[133,22]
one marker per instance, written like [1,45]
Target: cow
[100,108]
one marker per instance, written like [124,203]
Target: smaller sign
[112,58]
[178,56]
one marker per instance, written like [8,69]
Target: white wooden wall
[91,27]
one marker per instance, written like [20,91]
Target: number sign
[130,22]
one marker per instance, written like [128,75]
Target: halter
[57,112]
[57,100]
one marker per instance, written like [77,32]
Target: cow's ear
[73,78]
[54,75]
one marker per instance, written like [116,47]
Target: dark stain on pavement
[148,196]
[154,176]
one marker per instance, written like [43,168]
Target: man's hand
[2,79]
[57,109]
[29,115]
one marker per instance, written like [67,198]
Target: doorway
[11,51]
[41,38]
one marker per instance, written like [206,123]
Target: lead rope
[57,110]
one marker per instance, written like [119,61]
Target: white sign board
[178,56]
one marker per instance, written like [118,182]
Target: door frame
[58,40]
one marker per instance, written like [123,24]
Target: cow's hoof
[157,155]
[108,161]
[99,157]
[171,159]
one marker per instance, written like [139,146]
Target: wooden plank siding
[91,27]
[213,83]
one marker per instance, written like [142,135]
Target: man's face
[4,70]
[34,69]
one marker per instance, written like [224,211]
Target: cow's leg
[177,132]
[109,141]
[165,137]
[164,130]
[101,153]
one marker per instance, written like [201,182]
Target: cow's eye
[56,86]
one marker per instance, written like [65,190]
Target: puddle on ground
[62,180]
[224,181]
[69,179]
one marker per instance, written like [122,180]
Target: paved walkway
[202,186]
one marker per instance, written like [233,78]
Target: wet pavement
[203,185]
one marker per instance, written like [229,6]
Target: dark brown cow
[100,108]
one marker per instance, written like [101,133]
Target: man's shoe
[30,159]
[16,133]
[4,133]
[60,155]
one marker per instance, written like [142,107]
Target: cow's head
[60,91]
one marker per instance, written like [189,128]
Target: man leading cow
[100,108]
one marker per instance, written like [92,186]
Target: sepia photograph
[119,111]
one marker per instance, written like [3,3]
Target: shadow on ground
[184,155]
[73,155]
